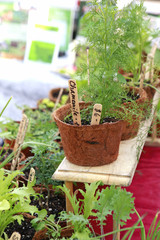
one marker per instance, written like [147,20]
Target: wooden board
[120,172]
[149,142]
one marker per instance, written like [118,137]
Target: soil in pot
[56,205]
[25,229]
[56,202]
[89,145]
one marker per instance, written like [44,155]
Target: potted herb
[105,29]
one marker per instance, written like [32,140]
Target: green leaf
[42,214]
[121,78]
[4,205]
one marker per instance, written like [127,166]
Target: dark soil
[25,229]
[56,205]
[87,121]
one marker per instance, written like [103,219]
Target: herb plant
[14,200]
[108,38]
[45,161]
[41,127]
[104,202]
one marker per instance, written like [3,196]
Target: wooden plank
[149,142]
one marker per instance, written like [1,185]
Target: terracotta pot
[8,165]
[131,129]
[27,151]
[42,234]
[88,145]
[150,93]
[53,93]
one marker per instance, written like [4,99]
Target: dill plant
[141,34]
[108,36]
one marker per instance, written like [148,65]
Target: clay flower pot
[10,150]
[88,145]
[53,93]
[131,129]
[42,234]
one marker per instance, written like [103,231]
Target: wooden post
[116,227]
[74,102]
[69,207]
[96,115]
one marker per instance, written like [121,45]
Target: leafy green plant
[99,204]
[140,35]
[45,161]
[94,203]
[108,36]
[41,127]
[14,200]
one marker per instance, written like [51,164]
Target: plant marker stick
[153,50]
[15,236]
[152,53]
[31,175]
[74,102]
[19,140]
[88,64]
[142,78]
[96,115]
[150,62]
[58,98]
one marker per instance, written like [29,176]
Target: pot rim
[56,118]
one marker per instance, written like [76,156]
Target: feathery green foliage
[113,38]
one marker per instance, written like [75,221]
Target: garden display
[105,105]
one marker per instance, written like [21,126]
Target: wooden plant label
[150,63]
[31,175]
[88,65]
[96,115]
[58,98]
[21,132]
[153,50]
[74,102]
[142,77]
[19,140]
[15,236]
